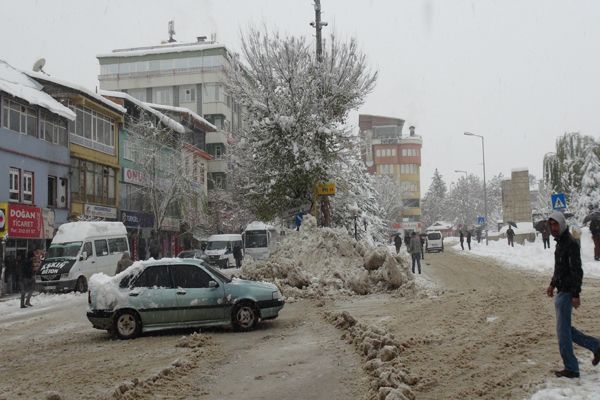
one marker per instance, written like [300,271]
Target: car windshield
[217,273]
[64,250]
[434,236]
[256,239]
[217,245]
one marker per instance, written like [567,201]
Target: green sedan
[177,293]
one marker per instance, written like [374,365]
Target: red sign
[24,221]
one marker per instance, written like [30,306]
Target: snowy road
[53,348]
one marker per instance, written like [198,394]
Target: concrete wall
[516,198]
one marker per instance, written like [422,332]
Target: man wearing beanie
[567,281]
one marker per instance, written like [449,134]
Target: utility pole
[318,25]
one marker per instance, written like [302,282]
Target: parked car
[434,242]
[196,253]
[177,293]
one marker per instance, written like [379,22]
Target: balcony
[217,166]
[216,137]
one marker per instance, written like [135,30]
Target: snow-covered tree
[543,200]
[465,201]
[589,195]
[494,200]
[295,110]
[434,202]
[389,195]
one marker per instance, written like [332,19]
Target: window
[62,190]
[20,118]
[52,191]
[117,245]
[93,182]
[218,154]
[163,95]
[96,130]
[189,276]
[14,186]
[187,94]
[101,247]
[87,248]
[27,187]
[212,93]
[409,169]
[393,152]
[155,276]
[139,94]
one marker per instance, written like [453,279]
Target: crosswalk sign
[558,201]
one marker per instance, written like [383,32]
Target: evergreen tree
[434,202]
[589,195]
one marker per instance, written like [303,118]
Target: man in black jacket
[27,280]
[567,281]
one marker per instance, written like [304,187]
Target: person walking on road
[237,254]
[397,242]
[414,248]
[546,236]
[566,279]
[462,239]
[27,280]
[469,239]
[595,231]
[123,263]
[510,235]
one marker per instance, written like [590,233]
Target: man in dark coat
[415,249]
[237,254]
[469,239]
[462,239]
[397,242]
[546,236]
[27,280]
[567,282]
[595,231]
[510,235]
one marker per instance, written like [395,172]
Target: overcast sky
[519,72]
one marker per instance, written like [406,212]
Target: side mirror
[213,284]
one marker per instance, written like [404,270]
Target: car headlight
[277,295]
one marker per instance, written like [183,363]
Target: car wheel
[245,316]
[81,285]
[127,324]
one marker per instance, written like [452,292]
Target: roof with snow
[81,230]
[45,78]
[183,110]
[522,169]
[161,49]
[258,226]
[18,84]
[439,225]
[164,119]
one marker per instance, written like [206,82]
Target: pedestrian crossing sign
[558,201]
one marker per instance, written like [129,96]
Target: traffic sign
[326,189]
[480,220]
[559,201]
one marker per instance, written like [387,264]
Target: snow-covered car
[177,293]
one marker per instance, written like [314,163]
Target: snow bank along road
[489,333]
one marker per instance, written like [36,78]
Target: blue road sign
[558,201]
[480,220]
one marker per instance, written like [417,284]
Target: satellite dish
[39,64]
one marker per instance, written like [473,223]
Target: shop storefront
[169,236]
[139,226]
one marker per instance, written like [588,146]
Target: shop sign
[136,219]
[133,176]
[326,189]
[24,221]
[92,210]
[170,224]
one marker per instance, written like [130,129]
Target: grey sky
[520,72]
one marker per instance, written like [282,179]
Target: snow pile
[106,294]
[390,379]
[322,261]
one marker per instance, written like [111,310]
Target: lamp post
[462,172]
[484,186]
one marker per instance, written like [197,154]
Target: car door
[153,295]
[197,301]
[86,264]
[103,260]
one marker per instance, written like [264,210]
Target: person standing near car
[237,254]
[567,279]
[27,280]
[415,249]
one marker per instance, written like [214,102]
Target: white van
[219,250]
[259,239]
[435,241]
[79,250]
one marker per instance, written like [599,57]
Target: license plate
[50,288]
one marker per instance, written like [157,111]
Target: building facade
[386,151]
[189,75]
[34,166]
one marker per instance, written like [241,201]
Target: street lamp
[462,172]
[484,187]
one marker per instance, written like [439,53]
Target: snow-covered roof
[224,237]
[81,89]
[79,231]
[184,111]
[439,225]
[522,169]
[166,120]
[258,226]
[161,49]
[18,84]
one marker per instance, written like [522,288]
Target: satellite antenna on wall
[39,65]
[171,31]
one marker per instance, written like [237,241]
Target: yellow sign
[326,189]
[3,219]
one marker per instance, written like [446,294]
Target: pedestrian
[423,239]
[510,235]
[567,282]
[237,254]
[27,279]
[546,235]
[154,246]
[397,242]
[298,219]
[462,239]
[124,262]
[478,235]
[415,249]
[595,231]
[469,239]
